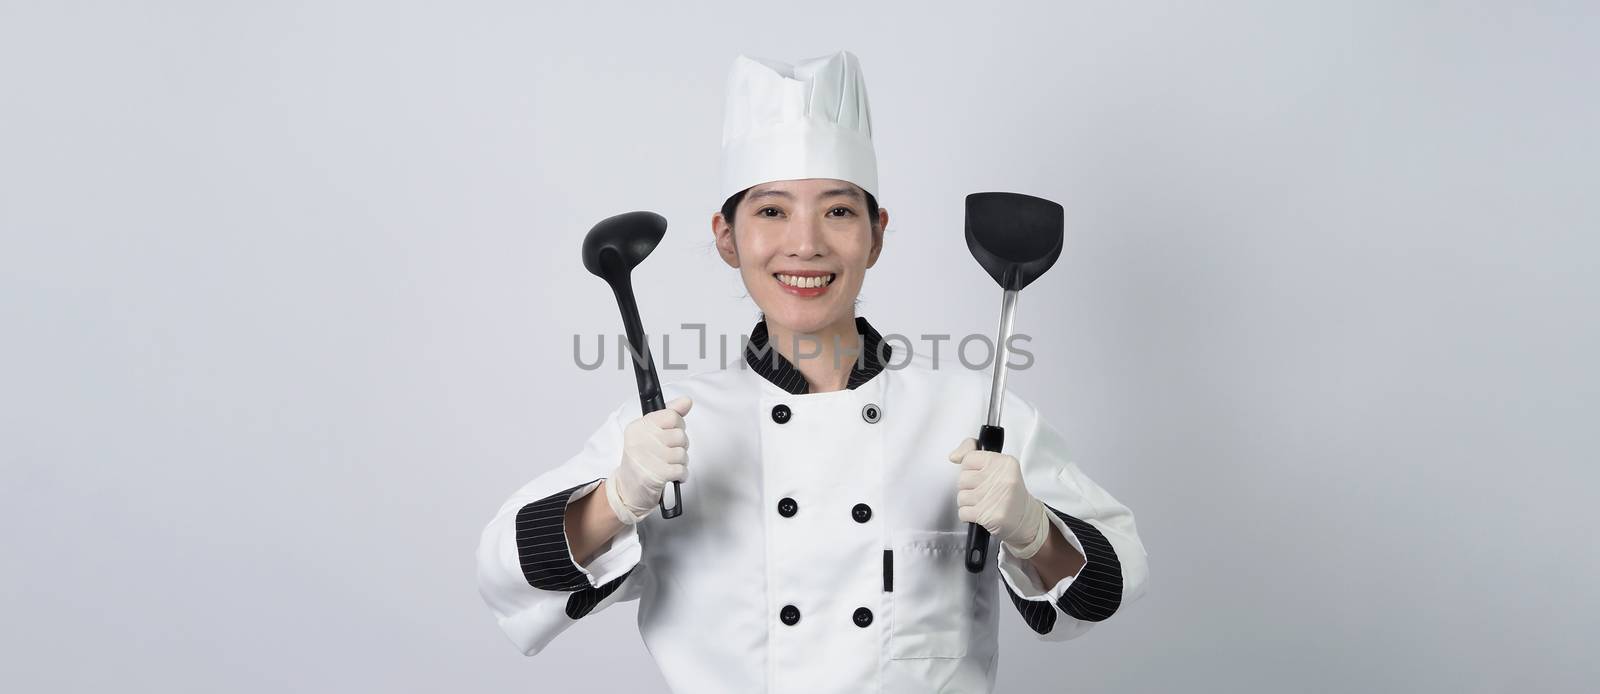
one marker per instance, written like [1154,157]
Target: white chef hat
[807,120]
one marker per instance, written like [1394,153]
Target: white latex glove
[992,495]
[654,453]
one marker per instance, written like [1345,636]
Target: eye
[769,211]
[841,211]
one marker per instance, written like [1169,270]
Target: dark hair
[732,206]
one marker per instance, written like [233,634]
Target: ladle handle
[990,438]
[651,402]
[644,363]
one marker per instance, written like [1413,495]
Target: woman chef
[820,547]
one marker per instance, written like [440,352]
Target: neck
[824,357]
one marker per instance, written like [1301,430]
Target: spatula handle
[990,438]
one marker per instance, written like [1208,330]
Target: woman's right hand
[654,453]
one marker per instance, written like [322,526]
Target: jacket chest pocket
[934,596]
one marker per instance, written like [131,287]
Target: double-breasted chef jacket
[819,548]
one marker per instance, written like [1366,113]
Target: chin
[802,319]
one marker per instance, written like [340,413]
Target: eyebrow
[847,192]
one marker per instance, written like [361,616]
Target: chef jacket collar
[783,374]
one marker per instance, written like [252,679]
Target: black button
[780,414]
[863,617]
[872,413]
[787,507]
[861,512]
[791,615]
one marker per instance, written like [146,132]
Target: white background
[288,290]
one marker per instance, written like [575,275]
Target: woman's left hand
[991,494]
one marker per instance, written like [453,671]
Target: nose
[804,238]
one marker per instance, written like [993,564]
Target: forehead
[807,188]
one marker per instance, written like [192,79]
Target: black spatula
[1016,238]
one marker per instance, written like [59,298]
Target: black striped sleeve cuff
[1093,596]
[584,601]
[542,544]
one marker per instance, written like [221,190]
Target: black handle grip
[989,439]
[676,509]
[651,402]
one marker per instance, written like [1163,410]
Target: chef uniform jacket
[819,548]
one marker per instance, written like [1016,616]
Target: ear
[722,232]
[877,236]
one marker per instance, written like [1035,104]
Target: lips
[805,281]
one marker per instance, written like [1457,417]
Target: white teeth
[805,282]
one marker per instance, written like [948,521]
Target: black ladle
[610,251]
[1016,238]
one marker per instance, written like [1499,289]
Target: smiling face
[803,248]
